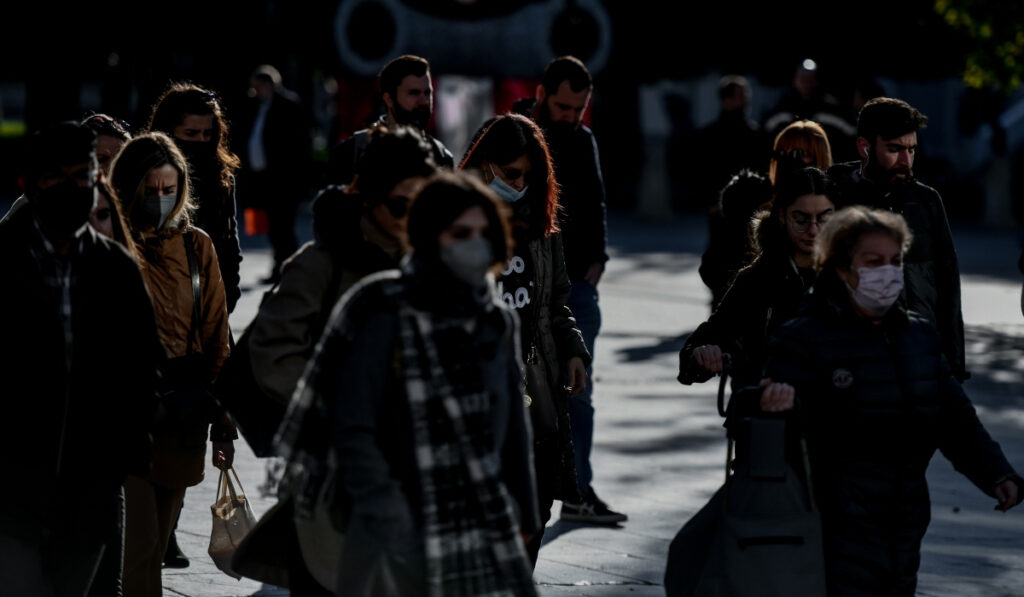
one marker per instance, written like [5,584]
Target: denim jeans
[583,302]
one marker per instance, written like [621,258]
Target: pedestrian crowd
[422,370]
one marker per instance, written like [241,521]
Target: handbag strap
[193,268]
[226,487]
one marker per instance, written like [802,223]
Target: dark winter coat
[729,243]
[346,247]
[216,215]
[553,341]
[358,368]
[878,400]
[762,298]
[931,270]
[72,435]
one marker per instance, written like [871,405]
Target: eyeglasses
[397,206]
[802,222]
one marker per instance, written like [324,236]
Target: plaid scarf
[470,529]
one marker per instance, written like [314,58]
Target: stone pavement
[660,449]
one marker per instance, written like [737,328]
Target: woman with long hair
[416,384]
[799,145]
[193,117]
[512,157]
[768,292]
[150,177]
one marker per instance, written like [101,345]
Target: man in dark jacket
[79,362]
[275,158]
[561,100]
[408,94]
[884,178]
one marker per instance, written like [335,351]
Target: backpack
[760,533]
[256,415]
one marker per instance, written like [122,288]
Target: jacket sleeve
[215,328]
[568,338]
[229,252]
[284,331]
[594,220]
[361,405]
[949,316]
[517,453]
[964,440]
[734,314]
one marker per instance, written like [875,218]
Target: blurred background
[657,68]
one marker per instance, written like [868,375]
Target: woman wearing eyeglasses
[512,157]
[768,292]
[801,144]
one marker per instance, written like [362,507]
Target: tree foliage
[994,34]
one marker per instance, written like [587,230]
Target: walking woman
[192,116]
[768,292]
[512,156]
[419,372]
[150,177]
[801,144]
[877,399]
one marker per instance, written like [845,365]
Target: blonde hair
[837,242]
[137,158]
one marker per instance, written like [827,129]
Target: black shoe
[591,511]
[173,558]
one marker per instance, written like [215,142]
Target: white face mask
[507,192]
[468,260]
[878,289]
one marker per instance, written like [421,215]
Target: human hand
[709,357]
[1006,493]
[577,376]
[777,397]
[223,454]
[594,272]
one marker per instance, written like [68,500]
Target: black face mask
[201,156]
[62,209]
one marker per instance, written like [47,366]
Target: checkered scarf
[470,530]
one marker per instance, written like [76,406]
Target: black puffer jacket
[877,401]
[762,298]
[931,270]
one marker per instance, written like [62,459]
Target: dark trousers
[583,304]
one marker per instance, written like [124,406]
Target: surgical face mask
[878,289]
[507,192]
[468,260]
[154,211]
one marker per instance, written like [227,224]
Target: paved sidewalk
[660,449]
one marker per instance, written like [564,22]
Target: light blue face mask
[507,192]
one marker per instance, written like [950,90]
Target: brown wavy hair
[503,140]
[188,98]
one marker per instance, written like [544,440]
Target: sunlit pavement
[660,449]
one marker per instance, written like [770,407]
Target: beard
[417,117]
[888,179]
[545,122]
